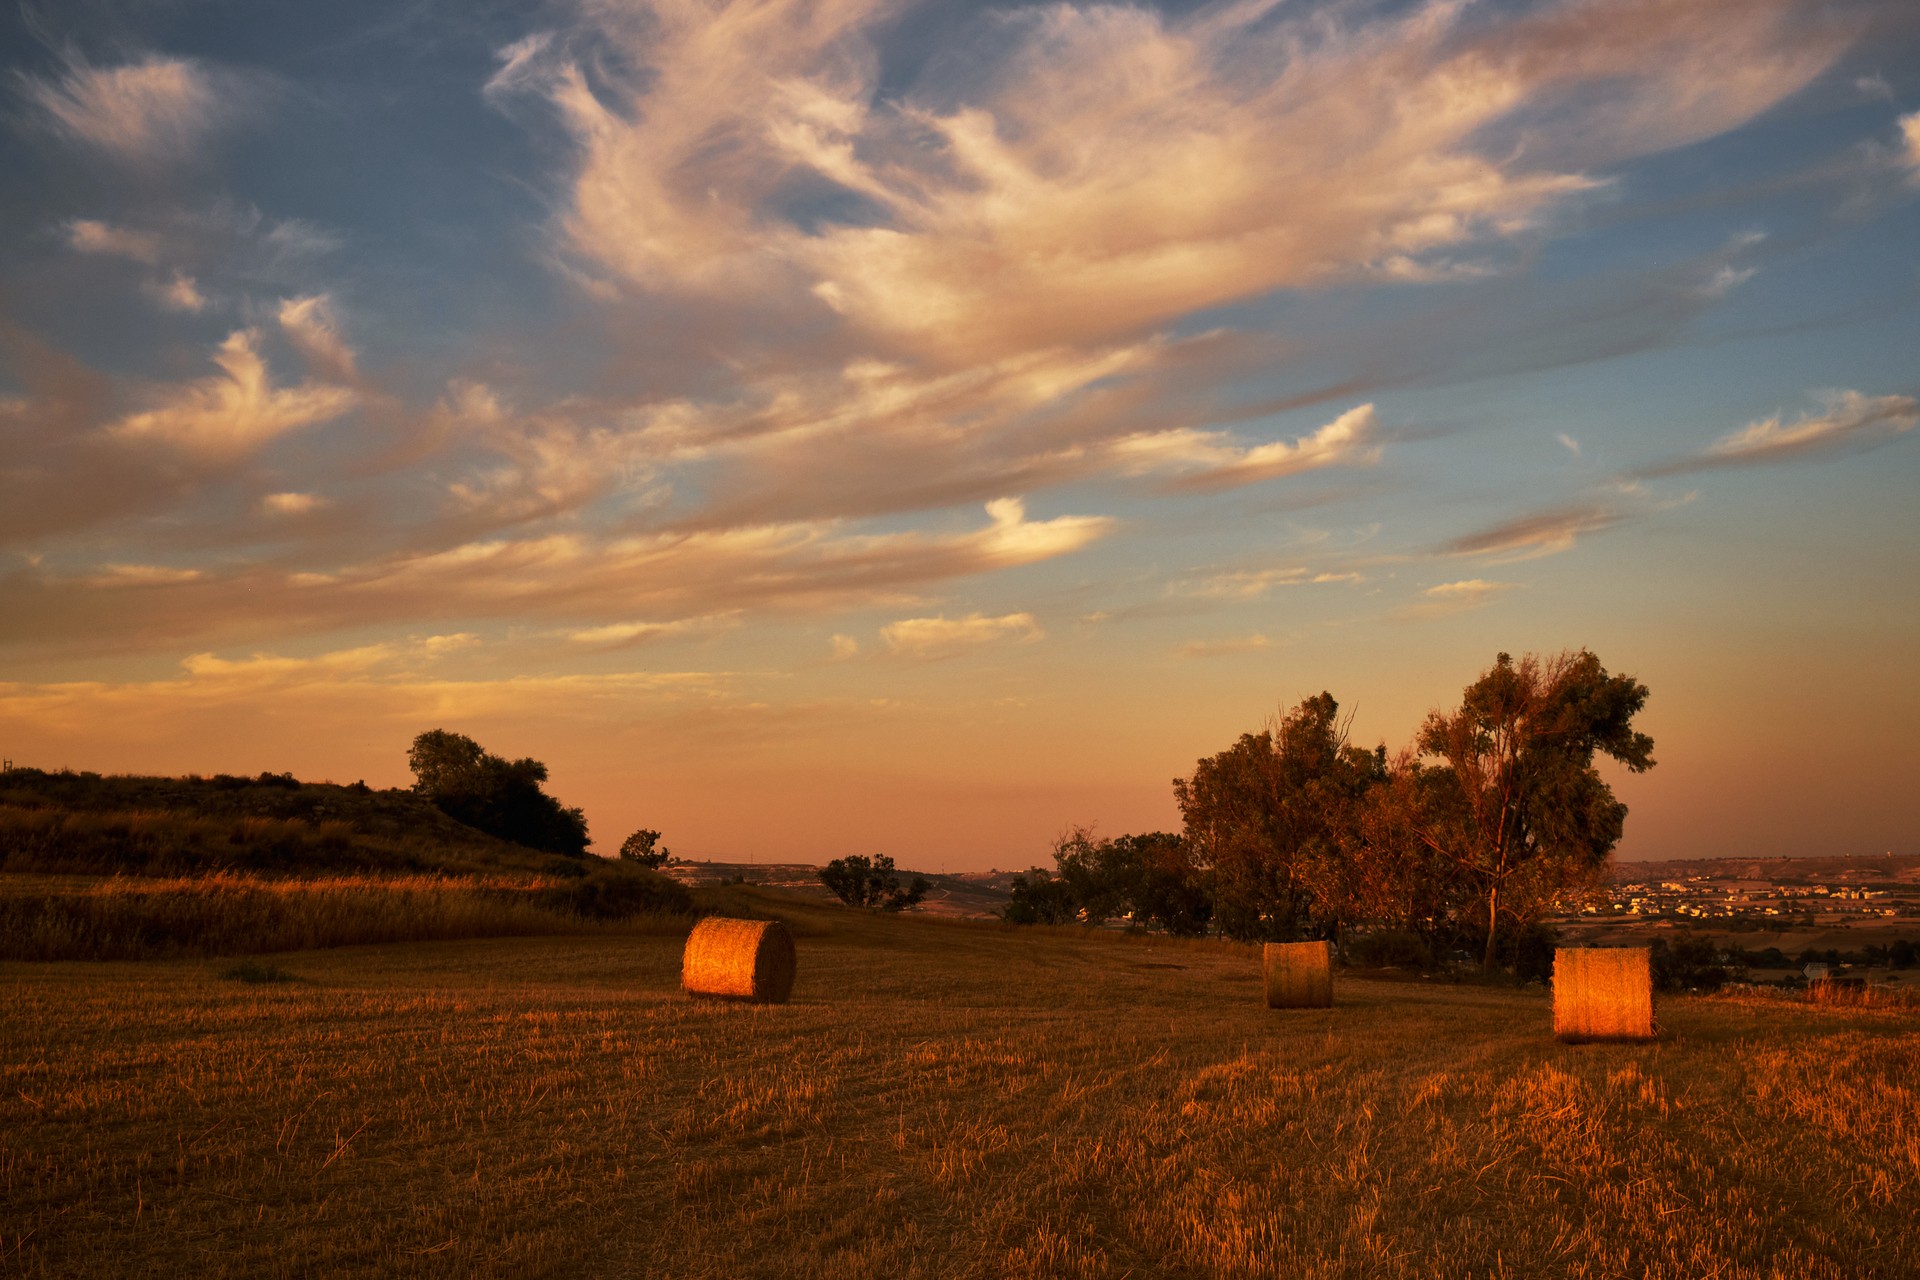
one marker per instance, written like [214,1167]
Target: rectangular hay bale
[1602,993]
[1299,975]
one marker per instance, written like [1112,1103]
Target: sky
[860,427]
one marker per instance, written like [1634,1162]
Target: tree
[1168,887]
[1149,879]
[859,881]
[644,847]
[1271,818]
[498,796]
[1097,875]
[1039,898]
[1514,802]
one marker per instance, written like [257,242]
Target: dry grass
[744,959]
[1299,975]
[1602,993]
[936,1100]
[42,918]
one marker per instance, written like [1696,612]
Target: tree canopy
[860,881]
[1492,815]
[1515,803]
[498,796]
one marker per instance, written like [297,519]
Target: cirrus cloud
[150,111]
[943,637]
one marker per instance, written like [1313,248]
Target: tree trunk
[1493,923]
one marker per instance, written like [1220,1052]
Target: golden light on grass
[1602,993]
[971,1102]
[1299,975]
[743,959]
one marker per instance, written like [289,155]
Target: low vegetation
[936,1100]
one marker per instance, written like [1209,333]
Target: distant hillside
[93,824]
[1852,869]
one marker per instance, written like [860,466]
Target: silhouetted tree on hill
[498,796]
[644,847]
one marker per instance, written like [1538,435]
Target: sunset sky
[863,427]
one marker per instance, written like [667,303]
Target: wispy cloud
[293,504]
[150,111]
[820,566]
[1251,584]
[1542,533]
[399,682]
[1448,598]
[1208,460]
[1113,169]
[182,293]
[1847,422]
[89,235]
[943,637]
[1222,648]
[623,635]
[227,416]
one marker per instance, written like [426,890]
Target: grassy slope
[84,823]
[130,867]
[938,1100]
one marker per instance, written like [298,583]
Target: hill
[99,867]
[94,824]
[1847,869]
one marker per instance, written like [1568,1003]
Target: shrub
[491,794]
[1389,949]
[618,893]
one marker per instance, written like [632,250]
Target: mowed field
[939,1099]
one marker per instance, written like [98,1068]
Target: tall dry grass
[238,914]
[934,1101]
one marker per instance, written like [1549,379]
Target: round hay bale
[1603,993]
[1299,975]
[739,959]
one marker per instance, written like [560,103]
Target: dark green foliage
[255,971]
[1274,818]
[860,881]
[1688,964]
[1528,952]
[1147,879]
[1389,948]
[1901,954]
[644,847]
[1515,804]
[498,796]
[1038,898]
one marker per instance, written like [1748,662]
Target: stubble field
[939,1099]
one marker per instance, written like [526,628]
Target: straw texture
[1602,993]
[1299,975]
[743,959]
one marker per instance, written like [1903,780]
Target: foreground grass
[938,1100]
